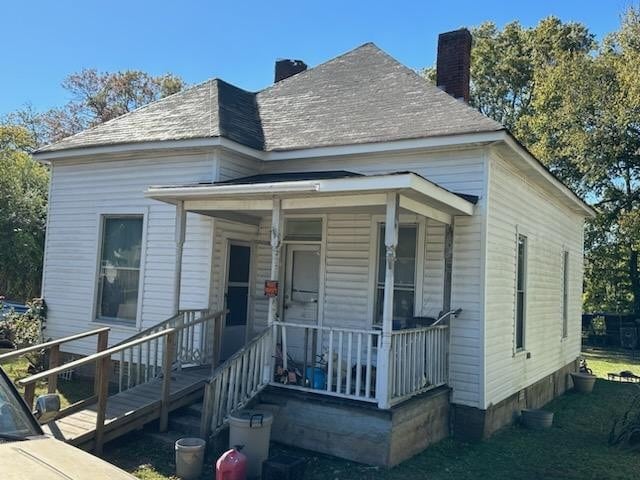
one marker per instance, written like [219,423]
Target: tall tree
[96,97]
[585,123]
[575,103]
[23,204]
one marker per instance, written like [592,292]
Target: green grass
[69,391]
[602,362]
[575,448]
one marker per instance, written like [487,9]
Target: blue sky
[43,41]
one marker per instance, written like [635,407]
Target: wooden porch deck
[133,408]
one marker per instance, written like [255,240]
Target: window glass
[565,293]
[14,419]
[404,274]
[521,284]
[119,273]
[303,229]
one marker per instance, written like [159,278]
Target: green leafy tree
[575,103]
[585,124]
[23,204]
[95,98]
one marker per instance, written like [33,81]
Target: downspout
[180,226]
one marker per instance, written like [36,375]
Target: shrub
[626,429]
[24,330]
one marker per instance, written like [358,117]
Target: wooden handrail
[153,328]
[326,329]
[52,343]
[95,357]
[430,328]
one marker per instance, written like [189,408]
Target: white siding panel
[235,166]
[516,206]
[347,295]
[80,192]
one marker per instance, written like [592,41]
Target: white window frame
[566,270]
[522,348]
[100,217]
[374,247]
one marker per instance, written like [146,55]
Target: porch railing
[418,361]
[333,361]
[236,381]
[198,334]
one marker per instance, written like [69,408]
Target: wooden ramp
[131,388]
[133,408]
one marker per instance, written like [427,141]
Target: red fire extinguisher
[232,465]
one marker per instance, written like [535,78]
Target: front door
[236,298]
[301,292]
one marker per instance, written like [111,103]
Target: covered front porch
[334,281]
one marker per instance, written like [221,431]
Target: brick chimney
[288,68]
[453,69]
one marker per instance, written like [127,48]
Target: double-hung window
[119,268]
[404,285]
[565,294]
[521,291]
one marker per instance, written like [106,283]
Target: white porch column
[276,247]
[384,350]
[180,226]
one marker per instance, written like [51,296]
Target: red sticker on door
[271,288]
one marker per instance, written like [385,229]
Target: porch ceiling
[325,192]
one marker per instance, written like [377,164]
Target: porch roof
[308,191]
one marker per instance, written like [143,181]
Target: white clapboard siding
[433,277]
[515,205]
[461,171]
[347,291]
[80,192]
[233,166]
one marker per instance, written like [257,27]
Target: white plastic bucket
[189,457]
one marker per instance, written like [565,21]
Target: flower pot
[537,419]
[583,382]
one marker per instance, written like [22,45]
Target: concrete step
[188,425]
[168,438]
[193,410]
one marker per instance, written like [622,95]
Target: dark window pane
[119,274]
[521,283]
[405,268]
[403,302]
[303,229]
[239,263]
[404,274]
[237,305]
[122,241]
[520,320]
[522,246]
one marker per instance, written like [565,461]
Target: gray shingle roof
[362,96]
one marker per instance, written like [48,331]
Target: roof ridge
[305,73]
[437,90]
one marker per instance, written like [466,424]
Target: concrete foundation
[473,424]
[357,431]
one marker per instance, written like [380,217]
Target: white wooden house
[375,201]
